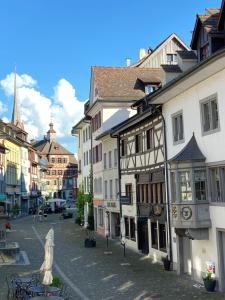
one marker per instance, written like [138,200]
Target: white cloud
[3,108]
[7,84]
[37,109]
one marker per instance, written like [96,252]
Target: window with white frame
[210,114]
[110,159]
[115,158]
[200,185]
[110,189]
[117,186]
[105,161]
[185,185]
[100,217]
[171,58]
[105,189]
[217,184]
[178,129]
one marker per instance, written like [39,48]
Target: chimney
[128,61]
[142,53]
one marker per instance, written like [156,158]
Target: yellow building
[12,174]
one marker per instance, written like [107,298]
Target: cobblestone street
[90,273]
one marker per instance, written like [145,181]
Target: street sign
[125,200]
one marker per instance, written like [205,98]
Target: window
[100,217]
[59,172]
[171,58]
[59,160]
[105,190]
[53,172]
[138,143]
[128,190]
[105,163]
[53,160]
[132,229]
[149,88]
[150,138]
[185,186]
[178,132]
[64,160]
[115,158]
[87,158]
[55,182]
[117,186]
[84,159]
[216,181]
[200,185]
[110,159]
[204,52]
[110,189]
[210,115]
[126,222]
[124,147]
[173,187]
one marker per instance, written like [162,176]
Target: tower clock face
[186,212]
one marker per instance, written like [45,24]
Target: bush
[56,282]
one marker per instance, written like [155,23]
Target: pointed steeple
[16,107]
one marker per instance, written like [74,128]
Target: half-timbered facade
[142,181]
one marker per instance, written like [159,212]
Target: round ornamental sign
[157,210]
[186,212]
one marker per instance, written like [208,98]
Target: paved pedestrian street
[94,273]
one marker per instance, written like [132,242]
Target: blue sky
[53,40]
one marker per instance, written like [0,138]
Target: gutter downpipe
[119,171]
[167,190]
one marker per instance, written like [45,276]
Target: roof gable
[162,45]
[208,21]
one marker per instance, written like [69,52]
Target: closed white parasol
[122,230]
[46,267]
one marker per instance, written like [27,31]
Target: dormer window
[149,88]
[204,51]
[171,58]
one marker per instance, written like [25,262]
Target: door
[143,235]
[96,217]
[221,249]
[187,255]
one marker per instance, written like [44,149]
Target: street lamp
[107,228]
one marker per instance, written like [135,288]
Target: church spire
[16,107]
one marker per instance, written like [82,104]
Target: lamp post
[107,229]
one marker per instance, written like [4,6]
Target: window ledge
[178,142]
[204,133]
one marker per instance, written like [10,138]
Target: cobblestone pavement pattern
[90,273]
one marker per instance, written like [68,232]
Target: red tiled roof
[121,83]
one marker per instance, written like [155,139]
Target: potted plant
[166,262]
[209,281]
[56,282]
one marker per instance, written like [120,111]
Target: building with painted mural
[61,165]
